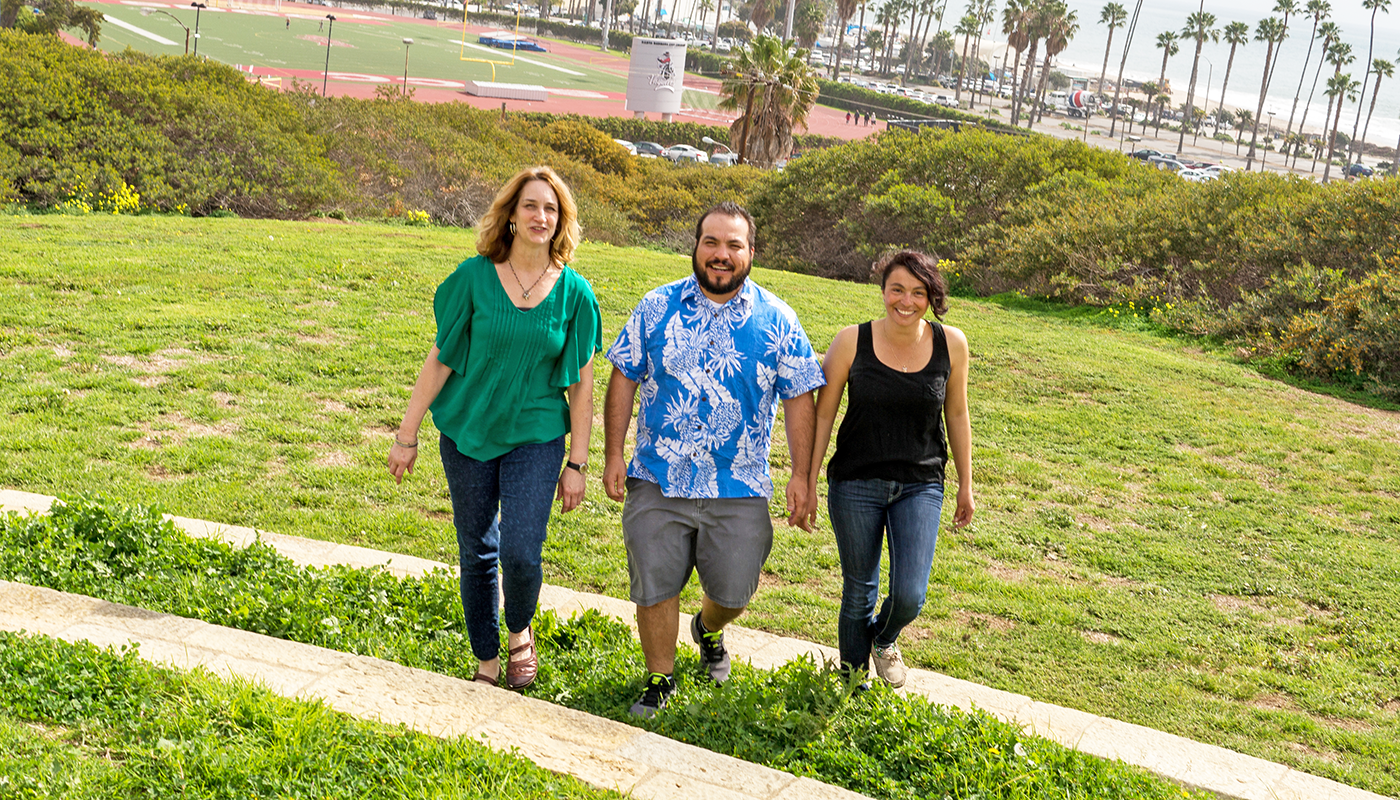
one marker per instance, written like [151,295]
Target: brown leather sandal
[486,679]
[521,673]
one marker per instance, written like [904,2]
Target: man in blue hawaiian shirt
[712,354]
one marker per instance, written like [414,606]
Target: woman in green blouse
[511,373]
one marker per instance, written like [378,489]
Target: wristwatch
[581,467]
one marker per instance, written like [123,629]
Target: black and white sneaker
[654,697]
[713,656]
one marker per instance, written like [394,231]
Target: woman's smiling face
[536,214]
[906,297]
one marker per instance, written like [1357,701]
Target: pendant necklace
[525,293]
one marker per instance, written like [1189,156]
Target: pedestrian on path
[516,332]
[712,353]
[848,118]
[907,375]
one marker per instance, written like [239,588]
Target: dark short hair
[924,268]
[728,208]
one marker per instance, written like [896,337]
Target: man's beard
[736,278]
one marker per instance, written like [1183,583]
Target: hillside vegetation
[1163,536]
[1299,277]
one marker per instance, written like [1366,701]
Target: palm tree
[776,92]
[1329,32]
[1236,33]
[967,28]
[1339,55]
[1199,26]
[1317,11]
[1244,119]
[1339,87]
[1271,31]
[1014,21]
[985,11]
[1374,6]
[1383,69]
[704,7]
[1166,41]
[1036,23]
[844,10]
[1118,85]
[1113,15]
[1062,25]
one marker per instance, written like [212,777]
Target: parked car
[1359,170]
[649,149]
[1198,175]
[684,152]
[1144,155]
[1167,163]
[724,159]
[628,146]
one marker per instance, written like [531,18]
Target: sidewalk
[601,752]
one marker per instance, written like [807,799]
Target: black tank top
[893,428]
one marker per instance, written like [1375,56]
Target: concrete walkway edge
[601,752]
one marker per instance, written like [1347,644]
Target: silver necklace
[525,293]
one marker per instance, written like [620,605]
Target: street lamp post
[1210,73]
[708,140]
[147,11]
[197,8]
[326,73]
[1264,153]
[406,44]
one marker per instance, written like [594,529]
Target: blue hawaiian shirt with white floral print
[710,378]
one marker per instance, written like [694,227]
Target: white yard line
[139,31]
[497,51]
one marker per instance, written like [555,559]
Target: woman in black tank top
[907,377]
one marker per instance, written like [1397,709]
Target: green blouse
[510,366]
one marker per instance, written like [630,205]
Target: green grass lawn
[1163,536]
[371,46]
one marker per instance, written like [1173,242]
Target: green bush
[834,210]
[1357,335]
[587,144]
[183,133]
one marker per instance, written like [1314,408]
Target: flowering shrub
[1356,334]
[585,143]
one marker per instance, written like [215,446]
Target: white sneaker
[889,665]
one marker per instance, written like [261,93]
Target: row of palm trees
[1271,32]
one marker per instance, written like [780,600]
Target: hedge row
[849,97]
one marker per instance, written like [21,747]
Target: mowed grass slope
[1162,536]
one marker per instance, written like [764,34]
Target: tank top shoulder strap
[865,342]
[939,359]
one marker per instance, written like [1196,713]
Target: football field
[368,47]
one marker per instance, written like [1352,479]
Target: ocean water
[1085,55]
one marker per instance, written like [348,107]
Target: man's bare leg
[657,627]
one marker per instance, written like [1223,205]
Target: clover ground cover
[800,718]
[81,722]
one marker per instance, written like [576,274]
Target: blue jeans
[520,485]
[864,514]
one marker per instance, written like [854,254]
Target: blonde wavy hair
[495,238]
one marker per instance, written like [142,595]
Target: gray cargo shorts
[725,539]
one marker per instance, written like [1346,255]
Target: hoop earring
[512,229]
